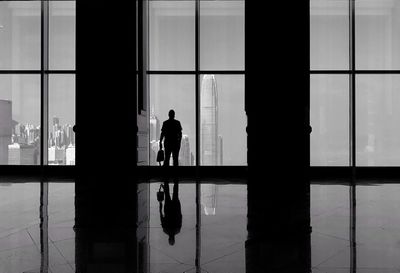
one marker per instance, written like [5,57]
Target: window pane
[62,35]
[377,34]
[329,117]
[329,34]
[19,119]
[178,93]
[20,34]
[61,120]
[378,119]
[330,221]
[172,29]
[222,120]
[222,35]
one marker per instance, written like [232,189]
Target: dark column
[105,87]
[277,105]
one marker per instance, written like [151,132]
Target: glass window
[378,119]
[329,34]
[329,118]
[222,137]
[19,119]
[61,138]
[172,29]
[377,34]
[222,35]
[175,92]
[20,35]
[62,35]
[223,121]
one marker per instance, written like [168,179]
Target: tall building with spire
[209,121]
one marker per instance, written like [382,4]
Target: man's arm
[161,136]
[180,132]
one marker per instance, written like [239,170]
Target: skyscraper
[209,121]
[22,154]
[154,127]
[220,151]
[184,154]
[5,129]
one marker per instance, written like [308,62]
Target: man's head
[171,114]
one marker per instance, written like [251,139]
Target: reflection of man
[171,220]
[172,132]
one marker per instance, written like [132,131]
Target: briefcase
[160,156]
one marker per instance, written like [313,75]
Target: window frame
[197,72]
[44,72]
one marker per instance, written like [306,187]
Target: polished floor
[354,229]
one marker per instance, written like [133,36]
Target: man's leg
[175,155]
[166,192]
[167,156]
[175,194]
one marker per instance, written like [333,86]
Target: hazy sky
[20,49]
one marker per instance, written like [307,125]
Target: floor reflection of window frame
[198,227]
[44,225]
[352,234]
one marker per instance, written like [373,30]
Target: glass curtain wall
[196,67]
[37,82]
[354,82]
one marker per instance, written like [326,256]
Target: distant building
[154,147]
[69,135]
[70,155]
[220,151]
[56,155]
[5,129]
[22,154]
[154,127]
[209,121]
[184,154]
[56,121]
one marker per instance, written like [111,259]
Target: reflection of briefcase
[160,195]
[160,156]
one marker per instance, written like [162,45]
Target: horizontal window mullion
[172,72]
[355,72]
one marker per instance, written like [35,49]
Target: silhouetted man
[172,132]
[171,220]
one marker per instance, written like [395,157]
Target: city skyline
[20,142]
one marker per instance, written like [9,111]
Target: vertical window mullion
[44,86]
[197,81]
[352,84]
